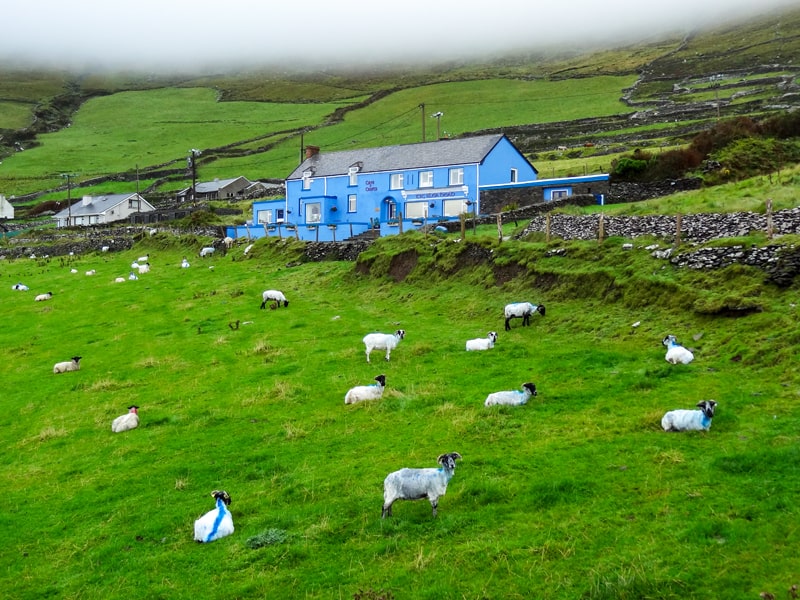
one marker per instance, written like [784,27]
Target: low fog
[178,34]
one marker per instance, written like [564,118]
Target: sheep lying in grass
[521,310]
[366,392]
[20,287]
[414,484]
[216,523]
[482,343]
[68,365]
[275,295]
[511,398]
[145,268]
[383,341]
[184,263]
[126,422]
[690,420]
[43,297]
[143,259]
[132,276]
[91,272]
[676,354]
[119,280]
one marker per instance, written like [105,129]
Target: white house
[6,208]
[95,210]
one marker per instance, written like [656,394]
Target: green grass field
[579,494]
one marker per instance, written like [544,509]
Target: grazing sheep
[675,352]
[145,268]
[414,484]
[275,295]
[366,392]
[43,297]
[521,310]
[690,420]
[184,263]
[511,398]
[228,241]
[482,343]
[73,270]
[207,251]
[68,365]
[216,523]
[126,422]
[20,287]
[383,341]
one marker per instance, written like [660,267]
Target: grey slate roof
[460,151]
[207,187]
[98,205]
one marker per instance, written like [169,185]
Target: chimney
[87,200]
[311,151]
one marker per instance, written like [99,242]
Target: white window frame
[352,173]
[352,203]
[396,181]
[453,208]
[456,176]
[265,216]
[514,175]
[312,215]
[426,179]
[559,193]
[307,180]
[280,215]
[416,210]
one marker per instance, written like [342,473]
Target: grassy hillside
[577,495]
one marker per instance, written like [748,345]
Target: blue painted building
[337,195]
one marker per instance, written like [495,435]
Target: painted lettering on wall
[369,186]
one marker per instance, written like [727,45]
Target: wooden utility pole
[422,108]
[678,223]
[769,219]
[500,227]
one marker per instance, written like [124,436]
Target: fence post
[500,227]
[547,228]
[678,222]
[769,219]
[400,222]
[601,233]
[463,218]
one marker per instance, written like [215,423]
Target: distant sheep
[383,341]
[511,398]
[415,484]
[228,241]
[248,248]
[184,263]
[20,287]
[207,251]
[68,365]
[690,420]
[675,352]
[521,310]
[143,259]
[366,392]
[275,295]
[104,249]
[126,422]
[91,272]
[132,276]
[119,280]
[482,343]
[43,297]
[145,268]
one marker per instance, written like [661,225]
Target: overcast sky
[148,34]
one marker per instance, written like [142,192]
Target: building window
[425,179]
[351,203]
[313,212]
[453,208]
[396,181]
[306,180]
[264,216]
[457,176]
[513,177]
[557,194]
[133,203]
[416,210]
[352,172]
[280,218]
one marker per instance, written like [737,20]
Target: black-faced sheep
[414,484]
[690,420]
[43,297]
[361,393]
[513,397]
[126,422]
[676,354]
[68,365]
[217,523]
[482,343]
[383,341]
[275,295]
[521,310]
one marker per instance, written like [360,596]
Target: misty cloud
[150,34]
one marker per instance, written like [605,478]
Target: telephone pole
[422,108]
[69,177]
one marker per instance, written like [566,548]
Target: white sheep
[73,270]
[143,259]
[184,263]
[366,392]
[521,310]
[228,241]
[511,398]
[690,420]
[383,341]
[145,268]
[207,251]
[104,249]
[119,280]
[275,296]
[43,297]
[482,343]
[20,287]
[248,248]
[68,365]
[91,272]
[126,422]
[414,484]
[217,523]
[132,276]
[134,265]
[675,352]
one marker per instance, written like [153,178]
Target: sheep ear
[455,455]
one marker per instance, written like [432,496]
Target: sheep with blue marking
[676,354]
[20,287]
[275,296]
[360,393]
[415,484]
[216,523]
[521,310]
[383,341]
[512,397]
[690,420]
[486,343]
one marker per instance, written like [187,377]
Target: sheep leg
[368,355]
[388,352]
[508,324]
[526,319]
[434,505]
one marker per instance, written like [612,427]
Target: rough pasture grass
[578,494]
